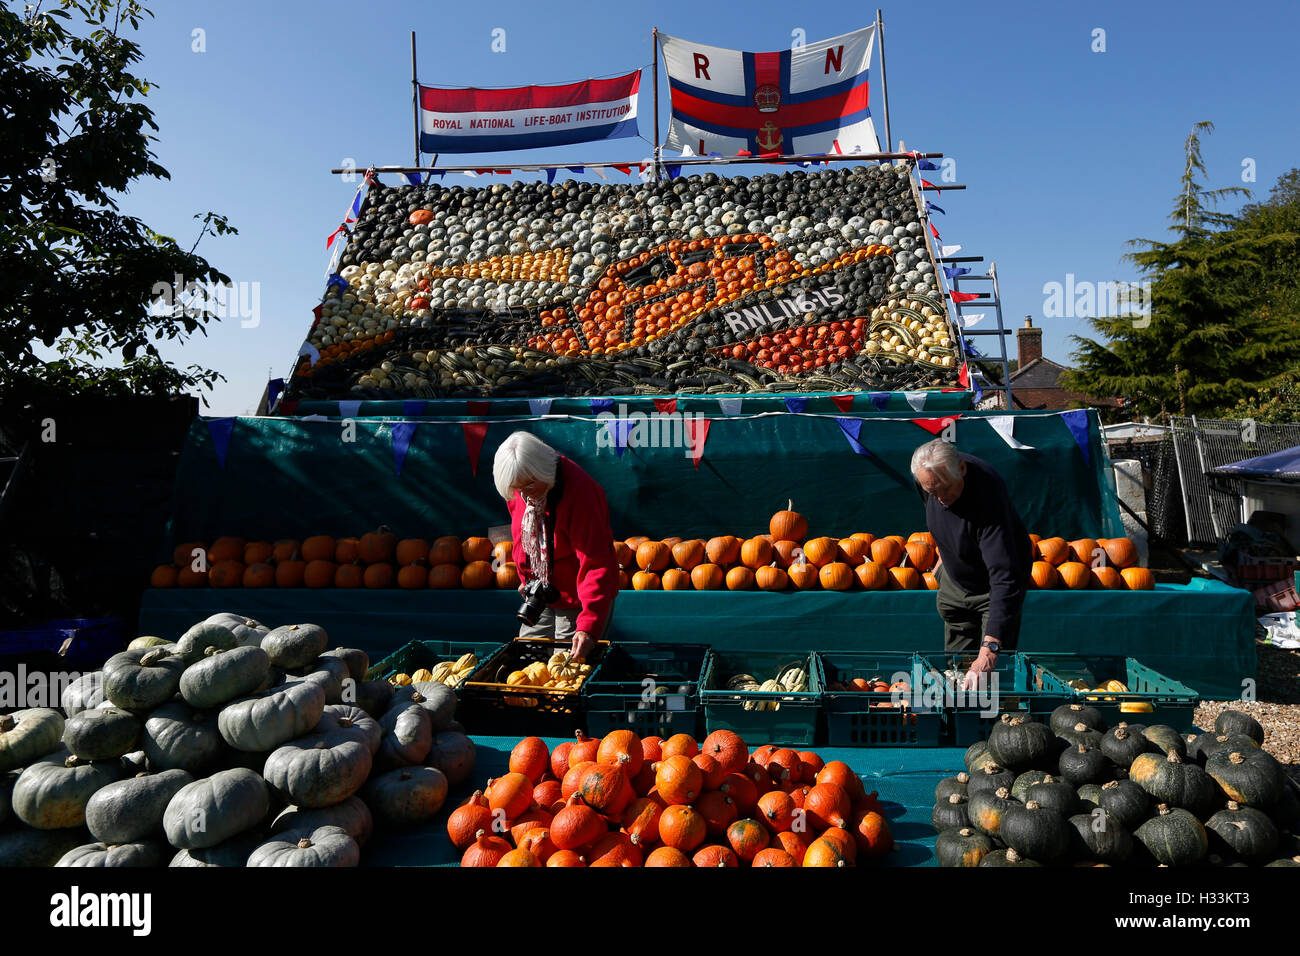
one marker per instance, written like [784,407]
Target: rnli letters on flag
[810,100]
[527,117]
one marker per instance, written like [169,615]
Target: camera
[536,597]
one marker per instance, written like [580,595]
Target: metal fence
[1203,444]
[1163,490]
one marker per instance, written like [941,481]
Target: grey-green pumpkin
[1018,742]
[231,853]
[85,692]
[178,737]
[24,846]
[961,847]
[295,645]
[135,763]
[453,753]
[53,792]
[194,643]
[331,674]
[248,631]
[408,735]
[141,680]
[131,810]
[1098,835]
[223,676]
[1250,776]
[102,733]
[321,768]
[438,699]
[358,661]
[1165,738]
[261,723]
[351,814]
[356,722]
[216,808]
[1244,833]
[1238,722]
[1007,857]
[145,854]
[1171,780]
[374,696]
[1173,837]
[147,640]
[406,796]
[323,846]
[28,735]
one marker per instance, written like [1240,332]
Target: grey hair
[939,457]
[523,457]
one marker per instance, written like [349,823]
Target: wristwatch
[992,645]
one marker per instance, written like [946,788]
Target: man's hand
[583,643]
[984,664]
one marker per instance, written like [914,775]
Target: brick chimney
[1029,343]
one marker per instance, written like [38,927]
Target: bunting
[599,405]
[970,321]
[730,406]
[935,425]
[349,409]
[1077,421]
[916,400]
[931,207]
[880,400]
[962,296]
[665,406]
[309,350]
[403,432]
[852,428]
[539,406]
[619,429]
[697,430]
[843,402]
[475,432]
[796,404]
[946,251]
[953,272]
[1005,426]
[220,429]
[413,408]
[478,407]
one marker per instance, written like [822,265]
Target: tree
[76,274]
[1219,328]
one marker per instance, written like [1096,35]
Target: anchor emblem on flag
[773,139]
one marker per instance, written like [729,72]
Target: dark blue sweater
[983,543]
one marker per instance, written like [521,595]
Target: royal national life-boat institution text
[555,119]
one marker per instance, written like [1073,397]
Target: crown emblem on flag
[767,98]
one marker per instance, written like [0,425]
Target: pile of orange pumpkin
[629,801]
[787,558]
[377,559]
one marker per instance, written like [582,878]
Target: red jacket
[583,565]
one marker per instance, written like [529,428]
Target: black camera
[536,598]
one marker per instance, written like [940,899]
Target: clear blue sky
[1066,153]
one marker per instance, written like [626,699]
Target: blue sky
[1066,153]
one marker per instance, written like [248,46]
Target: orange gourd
[519,857]
[805,577]
[843,839]
[411,550]
[1138,579]
[683,744]
[441,576]
[530,819]
[478,575]
[688,554]
[652,748]
[530,758]
[743,790]
[773,857]
[486,850]
[1044,575]
[719,812]
[473,549]
[378,545]
[873,576]
[548,795]
[467,820]
[707,577]
[653,556]
[821,551]
[714,856]
[379,575]
[675,579]
[614,849]
[906,579]
[827,805]
[511,793]
[776,809]
[678,780]
[412,577]
[747,838]
[566,858]
[319,574]
[740,578]
[785,765]
[667,856]
[538,842]
[288,574]
[605,789]
[576,825]
[825,853]
[756,553]
[682,827]
[710,770]
[723,550]
[646,581]
[853,551]
[1106,578]
[584,749]
[796,844]
[1121,552]
[728,749]
[812,765]
[445,550]
[788,524]
[886,551]
[1074,575]
[836,576]
[641,820]
[572,781]
[621,748]
[873,836]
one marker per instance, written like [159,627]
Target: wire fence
[1163,490]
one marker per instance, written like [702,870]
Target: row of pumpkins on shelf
[236,745]
[629,801]
[1074,792]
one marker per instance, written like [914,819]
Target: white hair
[939,457]
[523,457]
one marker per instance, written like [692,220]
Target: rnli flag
[789,102]
[527,117]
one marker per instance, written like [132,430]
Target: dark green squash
[1127,802]
[1067,716]
[408,735]
[354,722]
[102,733]
[1165,739]
[1026,780]
[1018,742]
[950,814]
[1252,777]
[1007,857]
[1089,797]
[1173,837]
[194,643]
[1123,744]
[1080,735]
[52,793]
[1083,764]
[178,737]
[1055,794]
[438,699]
[1238,722]
[245,629]
[222,676]
[1171,780]
[989,777]
[1243,833]
[28,735]
[1035,831]
[216,808]
[358,661]
[950,785]
[134,855]
[330,674]
[131,810]
[142,679]
[1099,836]
[374,697]
[326,846]
[976,756]
[962,847]
[986,810]
[1200,746]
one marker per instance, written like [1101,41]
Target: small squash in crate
[400,680]
[421,676]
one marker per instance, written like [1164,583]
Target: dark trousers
[966,618]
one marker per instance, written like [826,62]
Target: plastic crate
[793,723]
[410,657]
[488,705]
[624,693]
[969,718]
[1277,598]
[858,718]
[1171,702]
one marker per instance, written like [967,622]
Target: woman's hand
[583,644]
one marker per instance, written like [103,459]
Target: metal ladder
[1001,331]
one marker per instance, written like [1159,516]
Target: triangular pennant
[539,406]
[412,408]
[796,404]
[599,405]
[730,406]
[952,272]
[852,428]
[964,375]
[1005,426]
[925,164]
[970,321]
[220,429]
[933,231]
[475,432]
[309,350]
[478,407]
[935,425]
[1077,421]
[403,432]
[550,175]
[880,400]
[945,251]
[962,296]
[843,402]
[619,429]
[349,409]
[916,400]
[931,207]
[273,389]
[674,170]
[666,406]
[697,430]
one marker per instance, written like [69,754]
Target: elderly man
[984,552]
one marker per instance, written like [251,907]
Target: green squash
[260,724]
[146,641]
[1171,780]
[24,846]
[322,768]
[131,810]
[1173,837]
[352,815]
[1018,742]
[1080,734]
[1286,861]
[1089,795]
[1126,802]
[216,808]
[1007,857]
[223,676]
[988,778]
[84,693]
[961,847]
[408,735]
[987,810]
[28,735]
[1100,836]
[330,673]
[178,737]
[950,814]
[194,643]
[951,785]
[1123,744]
[454,754]
[1237,722]
[295,645]
[324,846]
[135,763]
[102,733]
[976,756]
[1242,833]
[1286,812]
[1200,746]
[355,722]
[1035,831]
[406,796]
[52,793]
[248,632]
[1020,786]
[1165,739]
[358,661]
[374,697]
[438,699]
[147,854]
[232,853]
[1252,777]
[1083,764]
[141,680]
[1067,716]
[1056,795]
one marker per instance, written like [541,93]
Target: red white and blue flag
[805,101]
[527,117]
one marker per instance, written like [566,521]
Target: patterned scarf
[533,532]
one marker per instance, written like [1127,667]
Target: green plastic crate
[618,696]
[793,724]
[858,719]
[1172,702]
[970,718]
[410,657]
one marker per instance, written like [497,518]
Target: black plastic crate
[490,705]
[792,723]
[652,689]
[909,716]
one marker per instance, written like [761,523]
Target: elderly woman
[563,546]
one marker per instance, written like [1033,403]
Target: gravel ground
[1277,707]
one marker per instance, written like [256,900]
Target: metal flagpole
[415,101]
[884,85]
[654,67]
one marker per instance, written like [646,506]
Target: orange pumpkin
[319,574]
[931,582]
[821,551]
[682,827]
[646,581]
[1106,578]
[511,793]
[728,749]
[1044,575]
[873,576]
[468,819]
[347,550]
[411,550]
[678,780]
[675,579]
[843,839]
[641,820]
[711,771]
[667,856]
[347,576]
[538,842]
[475,549]
[653,556]
[486,850]
[605,789]
[688,554]
[621,748]
[788,525]
[572,781]
[1074,575]
[549,796]
[805,576]
[285,549]
[507,576]
[566,858]
[1081,550]
[1054,550]
[771,579]
[288,574]
[320,547]
[886,551]
[740,578]
[723,550]
[227,548]
[825,853]
[783,553]
[164,576]
[921,555]
[634,541]
[576,825]
[380,575]
[756,553]
[719,812]
[530,819]
[226,574]
[624,555]
[477,575]
[531,758]
[873,836]
[836,576]
[412,577]
[714,856]
[1138,579]
[906,579]
[441,576]
[776,809]
[1121,552]
[257,552]
[624,582]
[773,857]
[747,838]
[707,577]
[925,536]
[827,805]
[614,849]
[183,555]
[853,551]
[445,550]
[796,844]
[683,744]
[584,749]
